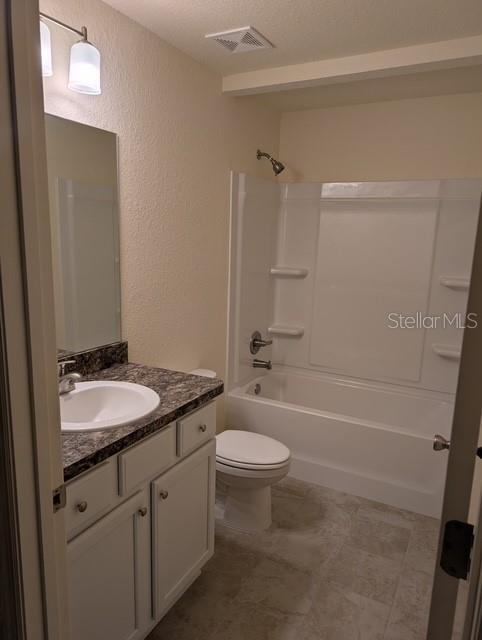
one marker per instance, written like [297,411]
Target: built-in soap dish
[455,282]
[447,351]
[286,331]
[288,272]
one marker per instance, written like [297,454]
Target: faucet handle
[61,366]
[257,342]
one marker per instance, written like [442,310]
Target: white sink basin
[93,406]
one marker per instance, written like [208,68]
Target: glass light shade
[84,75]
[46,50]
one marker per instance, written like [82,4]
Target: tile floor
[332,567]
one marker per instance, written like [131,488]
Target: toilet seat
[250,467]
[250,451]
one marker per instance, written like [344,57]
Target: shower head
[276,164]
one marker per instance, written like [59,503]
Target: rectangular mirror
[84,220]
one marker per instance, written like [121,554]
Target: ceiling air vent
[241,40]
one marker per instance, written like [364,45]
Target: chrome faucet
[67,380]
[262,364]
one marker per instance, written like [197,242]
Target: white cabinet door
[109,575]
[183,524]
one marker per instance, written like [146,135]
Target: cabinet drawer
[90,495]
[147,459]
[196,429]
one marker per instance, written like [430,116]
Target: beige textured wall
[422,138]
[178,138]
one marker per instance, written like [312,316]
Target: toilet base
[247,509]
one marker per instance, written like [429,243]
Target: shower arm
[263,154]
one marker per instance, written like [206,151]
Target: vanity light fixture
[84,72]
[46,49]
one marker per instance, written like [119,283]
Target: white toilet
[247,464]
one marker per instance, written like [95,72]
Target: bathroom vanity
[138,498]
[140,507]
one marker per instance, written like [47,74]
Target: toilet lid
[245,447]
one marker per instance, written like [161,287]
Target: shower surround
[319,268]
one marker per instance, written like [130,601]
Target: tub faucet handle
[257,342]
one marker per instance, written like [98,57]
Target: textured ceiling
[303,30]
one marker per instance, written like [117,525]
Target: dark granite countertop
[180,393]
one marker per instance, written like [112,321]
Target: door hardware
[440,443]
[456,548]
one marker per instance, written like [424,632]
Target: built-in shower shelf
[455,282]
[289,272]
[447,351]
[286,331]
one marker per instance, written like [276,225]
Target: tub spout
[262,364]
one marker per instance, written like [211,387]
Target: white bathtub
[367,440]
